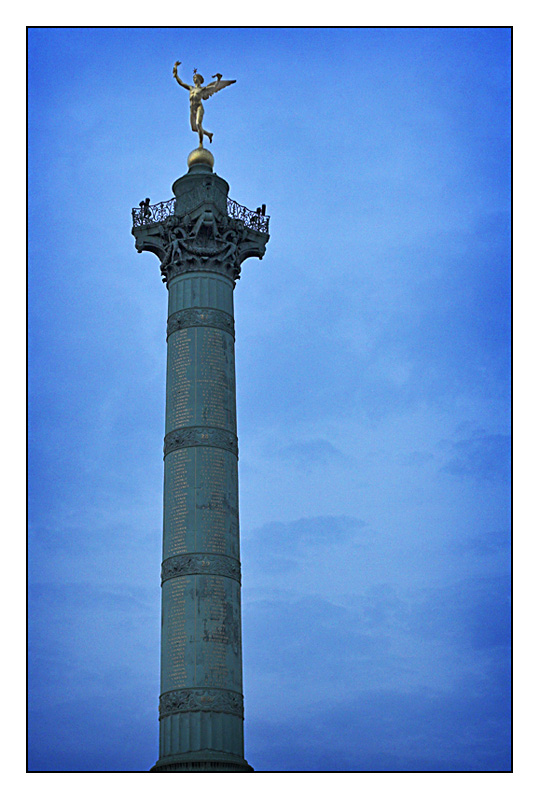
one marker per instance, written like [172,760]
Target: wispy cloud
[310,455]
[482,457]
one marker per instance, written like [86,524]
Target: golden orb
[200,156]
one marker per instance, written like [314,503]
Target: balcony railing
[255,220]
[150,215]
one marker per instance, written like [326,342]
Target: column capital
[200,229]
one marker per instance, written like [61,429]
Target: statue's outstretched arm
[175,75]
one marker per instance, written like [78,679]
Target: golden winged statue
[197,94]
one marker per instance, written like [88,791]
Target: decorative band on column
[200,564]
[200,317]
[202,436]
[181,700]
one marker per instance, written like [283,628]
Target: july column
[201,705]
[201,239]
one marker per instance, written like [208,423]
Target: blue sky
[373,354]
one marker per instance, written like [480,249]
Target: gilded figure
[198,93]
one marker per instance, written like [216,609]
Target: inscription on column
[213,510]
[218,613]
[175,654]
[217,501]
[216,379]
[177,503]
[180,381]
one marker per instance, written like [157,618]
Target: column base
[202,761]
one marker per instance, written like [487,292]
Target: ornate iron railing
[255,220]
[146,214]
[149,215]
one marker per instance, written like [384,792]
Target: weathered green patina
[201,239]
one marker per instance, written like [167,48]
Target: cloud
[93,665]
[384,675]
[416,459]
[461,730]
[93,730]
[491,543]
[482,456]
[309,455]
[302,533]
[396,681]
[286,546]
[474,612]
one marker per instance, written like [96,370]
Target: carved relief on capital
[204,240]
[200,564]
[182,700]
[202,436]
[200,317]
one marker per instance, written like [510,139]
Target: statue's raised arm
[175,75]
[197,94]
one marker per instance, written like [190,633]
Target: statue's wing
[214,87]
